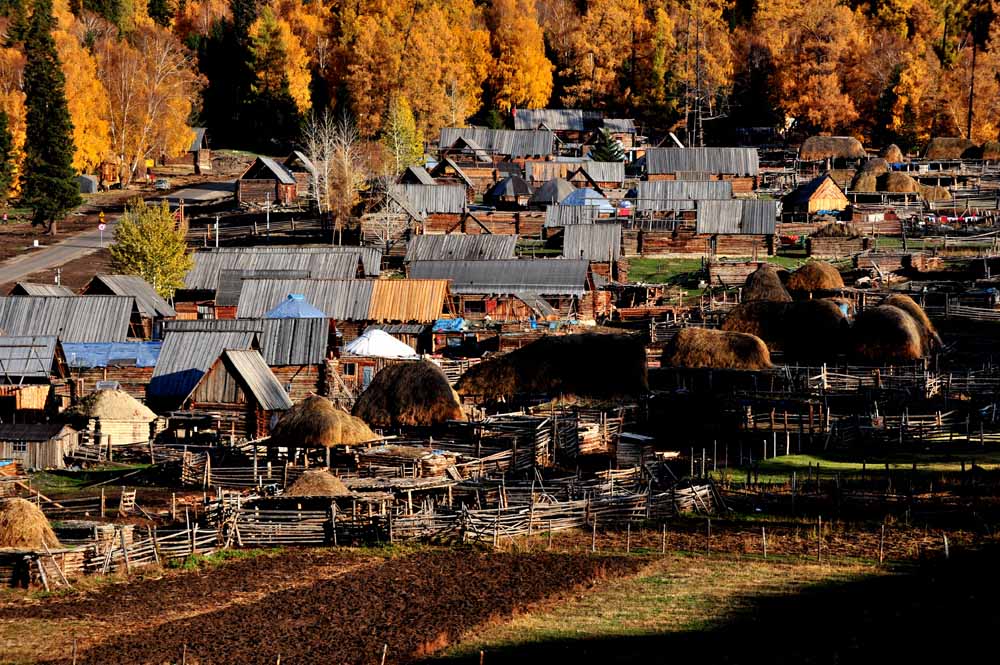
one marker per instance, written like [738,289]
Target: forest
[140,73]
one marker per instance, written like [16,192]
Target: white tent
[377,343]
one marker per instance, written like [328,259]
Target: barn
[266,182]
[820,195]
[740,166]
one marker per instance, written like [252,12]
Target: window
[475,306]
[349,369]
[20,446]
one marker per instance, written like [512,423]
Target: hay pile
[409,393]
[836,230]
[892,154]
[815,276]
[806,330]
[929,338]
[318,482]
[885,334]
[113,405]
[764,283]
[947,147]
[316,423]
[583,365]
[866,178]
[716,349]
[897,182]
[818,148]
[991,151]
[23,525]
[935,193]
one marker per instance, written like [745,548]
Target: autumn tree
[280,62]
[12,105]
[400,136]
[161,11]
[6,159]
[521,75]
[150,242]
[334,147]
[48,180]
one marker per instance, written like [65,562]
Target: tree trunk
[54,227]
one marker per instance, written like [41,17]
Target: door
[366,376]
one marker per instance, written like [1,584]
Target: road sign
[101,226]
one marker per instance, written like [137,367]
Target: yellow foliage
[522,74]
[83,92]
[197,16]
[12,102]
[280,58]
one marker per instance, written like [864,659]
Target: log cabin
[151,310]
[29,368]
[71,319]
[39,446]
[303,170]
[128,364]
[740,166]
[821,195]
[266,182]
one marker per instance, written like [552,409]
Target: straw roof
[316,423]
[764,283]
[583,365]
[816,148]
[929,338]
[114,405]
[317,482]
[409,393]
[717,349]
[815,276]
[885,334]
[891,153]
[23,525]
[951,147]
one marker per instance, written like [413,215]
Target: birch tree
[334,148]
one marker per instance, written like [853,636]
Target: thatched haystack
[804,330]
[928,333]
[836,230]
[818,148]
[113,405]
[815,276]
[24,526]
[583,365]
[950,147]
[319,483]
[897,182]
[716,349]
[409,393]
[991,151]
[764,283]
[316,422]
[885,334]
[866,178]
[935,193]
[892,154]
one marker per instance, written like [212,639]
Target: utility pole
[267,214]
[217,232]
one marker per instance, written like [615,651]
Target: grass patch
[676,272]
[205,561]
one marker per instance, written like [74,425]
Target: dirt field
[306,606]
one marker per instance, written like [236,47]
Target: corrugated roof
[399,328]
[31,432]
[186,356]
[294,341]
[71,319]
[729,161]
[301,158]
[282,174]
[737,217]
[557,119]
[340,299]
[258,378]
[620,125]
[137,354]
[459,246]
[560,215]
[440,171]
[432,199]
[664,195]
[510,142]
[417,175]
[28,357]
[594,242]
[537,276]
[605,171]
[149,302]
[36,289]
[231,281]
[214,325]
[339,262]
[416,300]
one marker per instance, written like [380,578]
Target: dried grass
[717,349]
[23,525]
[929,337]
[815,276]
[317,482]
[898,183]
[892,154]
[409,393]
[991,151]
[316,422]
[764,283]
[885,334]
[113,405]
[805,330]
[836,230]
[817,148]
[948,147]
[935,193]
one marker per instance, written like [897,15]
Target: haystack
[113,405]
[929,337]
[866,178]
[949,147]
[716,349]
[316,422]
[409,393]
[23,525]
[892,154]
[991,151]
[818,148]
[805,330]
[935,193]
[836,230]
[584,365]
[815,276]
[885,334]
[897,182]
[317,482]
[764,283]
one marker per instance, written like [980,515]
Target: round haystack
[764,283]
[582,365]
[819,148]
[761,319]
[864,182]
[409,393]
[836,230]
[716,349]
[884,334]
[892,154]
[316,422]
[928,334]
[950,147]
[113,405]
[24,526]
[897,182]
[815,276]
[935,193]
[317,482]
[804,330]
[845,305]
[991,151]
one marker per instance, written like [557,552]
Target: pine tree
[151,244]
[6,158]
[49,185]
[606,148]
[160,11]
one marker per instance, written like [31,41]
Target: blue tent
[588,197]
[295,307]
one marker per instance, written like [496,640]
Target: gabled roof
[298,161]
[664,195]
[150,303]
[594,242]
[737,217]
[805,191]
[560,215]
[123,354]
[620,125]
[512,186]
[510,142]
[432,199]
[27,357]
[249,368]
[40,432]
[604,171]
[71,319]
[552,192]
[231,282]
[186,356]
[416,175]
[440,171]
[264,168]
[295,306]
[728,161]
[537,276]
[460,246]
[557,119]
[335,262]
[36,289]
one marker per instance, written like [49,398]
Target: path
[55,255]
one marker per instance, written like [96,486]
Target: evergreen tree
[6,159]
[606,148]
[151,244]
[17,24]
[160,11]
[49,185]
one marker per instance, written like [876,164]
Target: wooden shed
[303,170]
[266,181]
[42,446]
[820,194]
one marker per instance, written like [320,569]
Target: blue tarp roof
[295,306]
[141,354]
[588,197]
[449,325]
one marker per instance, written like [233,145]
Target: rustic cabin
[241,394]
[36,289]
[415,175]
[113,418]
[558,216]
[740,227]
[227,296]
[740,166]
[266,182]
[198,156]
[821,195]
[29,367]
[480,151]
[39,446]
[569,125]
[129,365]
[303,170]
[71,319]
[460,247]
[601,245]
[551,193]
[440,208]
[151,309]
[624,131]
[602,176]
[539,172]
[510,193]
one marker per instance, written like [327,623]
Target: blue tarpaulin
[295,306]
[449,325]
[140,354]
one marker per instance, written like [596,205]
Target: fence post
[103,503]
[333,520]
[763,540]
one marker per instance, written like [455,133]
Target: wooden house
[602,176]
[512,193]
[439,207]
[303,170]
[479,151]
[150,307]
[36,289]
[447,172]
[569,125]
[735,227]
[740,166]
[601,245]
[129,365]
[188,353]
[29,367]
[241,394]
[198,155]
[71,319]
[820,195]
[415,175]
[40,446]
[461,247]
[266,182]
